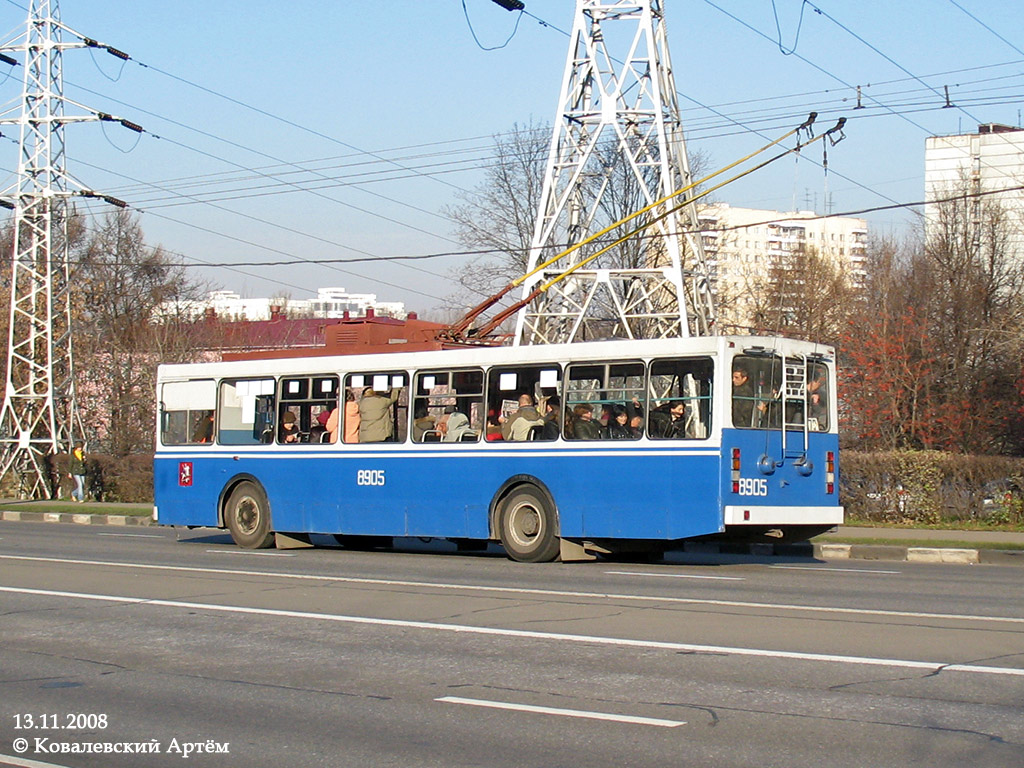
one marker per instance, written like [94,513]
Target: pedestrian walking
[77,471]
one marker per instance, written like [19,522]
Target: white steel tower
[39,416]
[617,147]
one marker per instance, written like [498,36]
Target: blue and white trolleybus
[551,450]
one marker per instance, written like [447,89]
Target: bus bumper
[776,516]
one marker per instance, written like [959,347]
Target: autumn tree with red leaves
[931,357]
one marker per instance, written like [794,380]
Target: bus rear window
[187,412]
[767,390]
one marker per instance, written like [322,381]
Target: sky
[395,104]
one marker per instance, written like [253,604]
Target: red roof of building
[303,337]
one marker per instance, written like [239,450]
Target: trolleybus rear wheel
[529,526]
[247,516]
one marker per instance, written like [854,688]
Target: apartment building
[744,245]
[330,303]
[991,160]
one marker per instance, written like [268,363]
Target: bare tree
[498,216]
[120,283]
[808,295]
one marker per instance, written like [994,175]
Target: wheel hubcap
[247,513]
[525,524]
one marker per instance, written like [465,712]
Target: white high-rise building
[744,244]
[330,303]
[991,160]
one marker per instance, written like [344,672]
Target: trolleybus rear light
[735,470]
[746,515]
[830,472]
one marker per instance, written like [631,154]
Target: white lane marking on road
[21,762]
[830,569]
[624,642]
[523,590]
[675,575]
[134,535]
[564,712]
[247,552]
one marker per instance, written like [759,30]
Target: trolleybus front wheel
[529,526]
[247,516]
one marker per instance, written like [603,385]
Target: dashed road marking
[582,713]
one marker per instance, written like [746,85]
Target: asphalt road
[327,657]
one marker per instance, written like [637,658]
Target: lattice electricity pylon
[617,147]
[39,415]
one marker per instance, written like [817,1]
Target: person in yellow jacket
[76,471]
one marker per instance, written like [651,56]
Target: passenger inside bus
[318,432]
[422,423]
[552,419]
[668,420]
[455,427]
[376,424]
[289,432]
[517,425]
[351,433]
[584,426]
[204,429]
[618,425]
[493,427]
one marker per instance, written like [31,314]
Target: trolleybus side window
[383,404]
[306,403]
[604,400]
[186,409]
[517,398]
[245,414]
[448,406]
[679,398]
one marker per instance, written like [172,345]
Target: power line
[986,26]
[827,72]
[783,217]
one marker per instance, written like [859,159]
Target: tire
[247,516]
[529,526]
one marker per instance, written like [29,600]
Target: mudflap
[291,540]
[579,551]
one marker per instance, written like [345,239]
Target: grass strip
[72,508]
[929,543]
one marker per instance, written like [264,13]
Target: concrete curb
[827,551]
[75,518]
